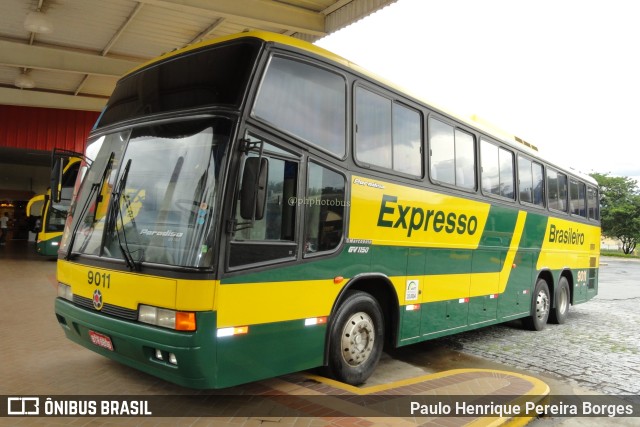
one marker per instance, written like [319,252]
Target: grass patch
[619,254]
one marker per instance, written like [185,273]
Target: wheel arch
[547,276]
[380,287]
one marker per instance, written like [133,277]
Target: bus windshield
[150,193]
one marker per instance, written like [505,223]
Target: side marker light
[315,321]
[229,332]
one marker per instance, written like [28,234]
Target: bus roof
[474,121]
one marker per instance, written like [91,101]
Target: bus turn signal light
[185,321]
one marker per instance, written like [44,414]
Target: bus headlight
[178,320]
[64,291]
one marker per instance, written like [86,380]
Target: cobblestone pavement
[598,348]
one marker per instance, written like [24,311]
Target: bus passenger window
[407,140]
[507,180]
[577,193]
[388,134]
[452,155]
[324,207]
[592,203]
[373,129]
[557,183]
[538,184]
[497,170]
[530,181]
[306,101]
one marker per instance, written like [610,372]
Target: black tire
[562,302]
[540,305]
[356,338]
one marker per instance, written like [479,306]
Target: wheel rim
[563,300]
[542,305]
[358,337]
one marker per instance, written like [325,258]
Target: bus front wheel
[356,338]
[562,302]
[539,307]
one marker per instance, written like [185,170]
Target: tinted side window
[216,75]
[306,101]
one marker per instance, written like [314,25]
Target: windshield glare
[161,210]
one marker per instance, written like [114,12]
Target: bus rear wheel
[539,307]
[562,302]
[356,339]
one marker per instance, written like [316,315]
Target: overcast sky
[561,74]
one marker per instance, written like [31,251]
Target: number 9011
[98,278]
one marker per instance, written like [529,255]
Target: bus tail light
[177,320]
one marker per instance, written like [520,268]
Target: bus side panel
[516,300]
[446,294]
[269,350]
[573,246]
[268,326]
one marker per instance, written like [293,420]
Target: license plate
[101,340]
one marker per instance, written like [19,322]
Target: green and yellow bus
[257,206]
[53,213]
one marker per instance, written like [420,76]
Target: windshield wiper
[94,187]
[113,218]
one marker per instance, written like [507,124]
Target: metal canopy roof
[94,42]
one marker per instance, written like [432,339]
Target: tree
[620,209]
